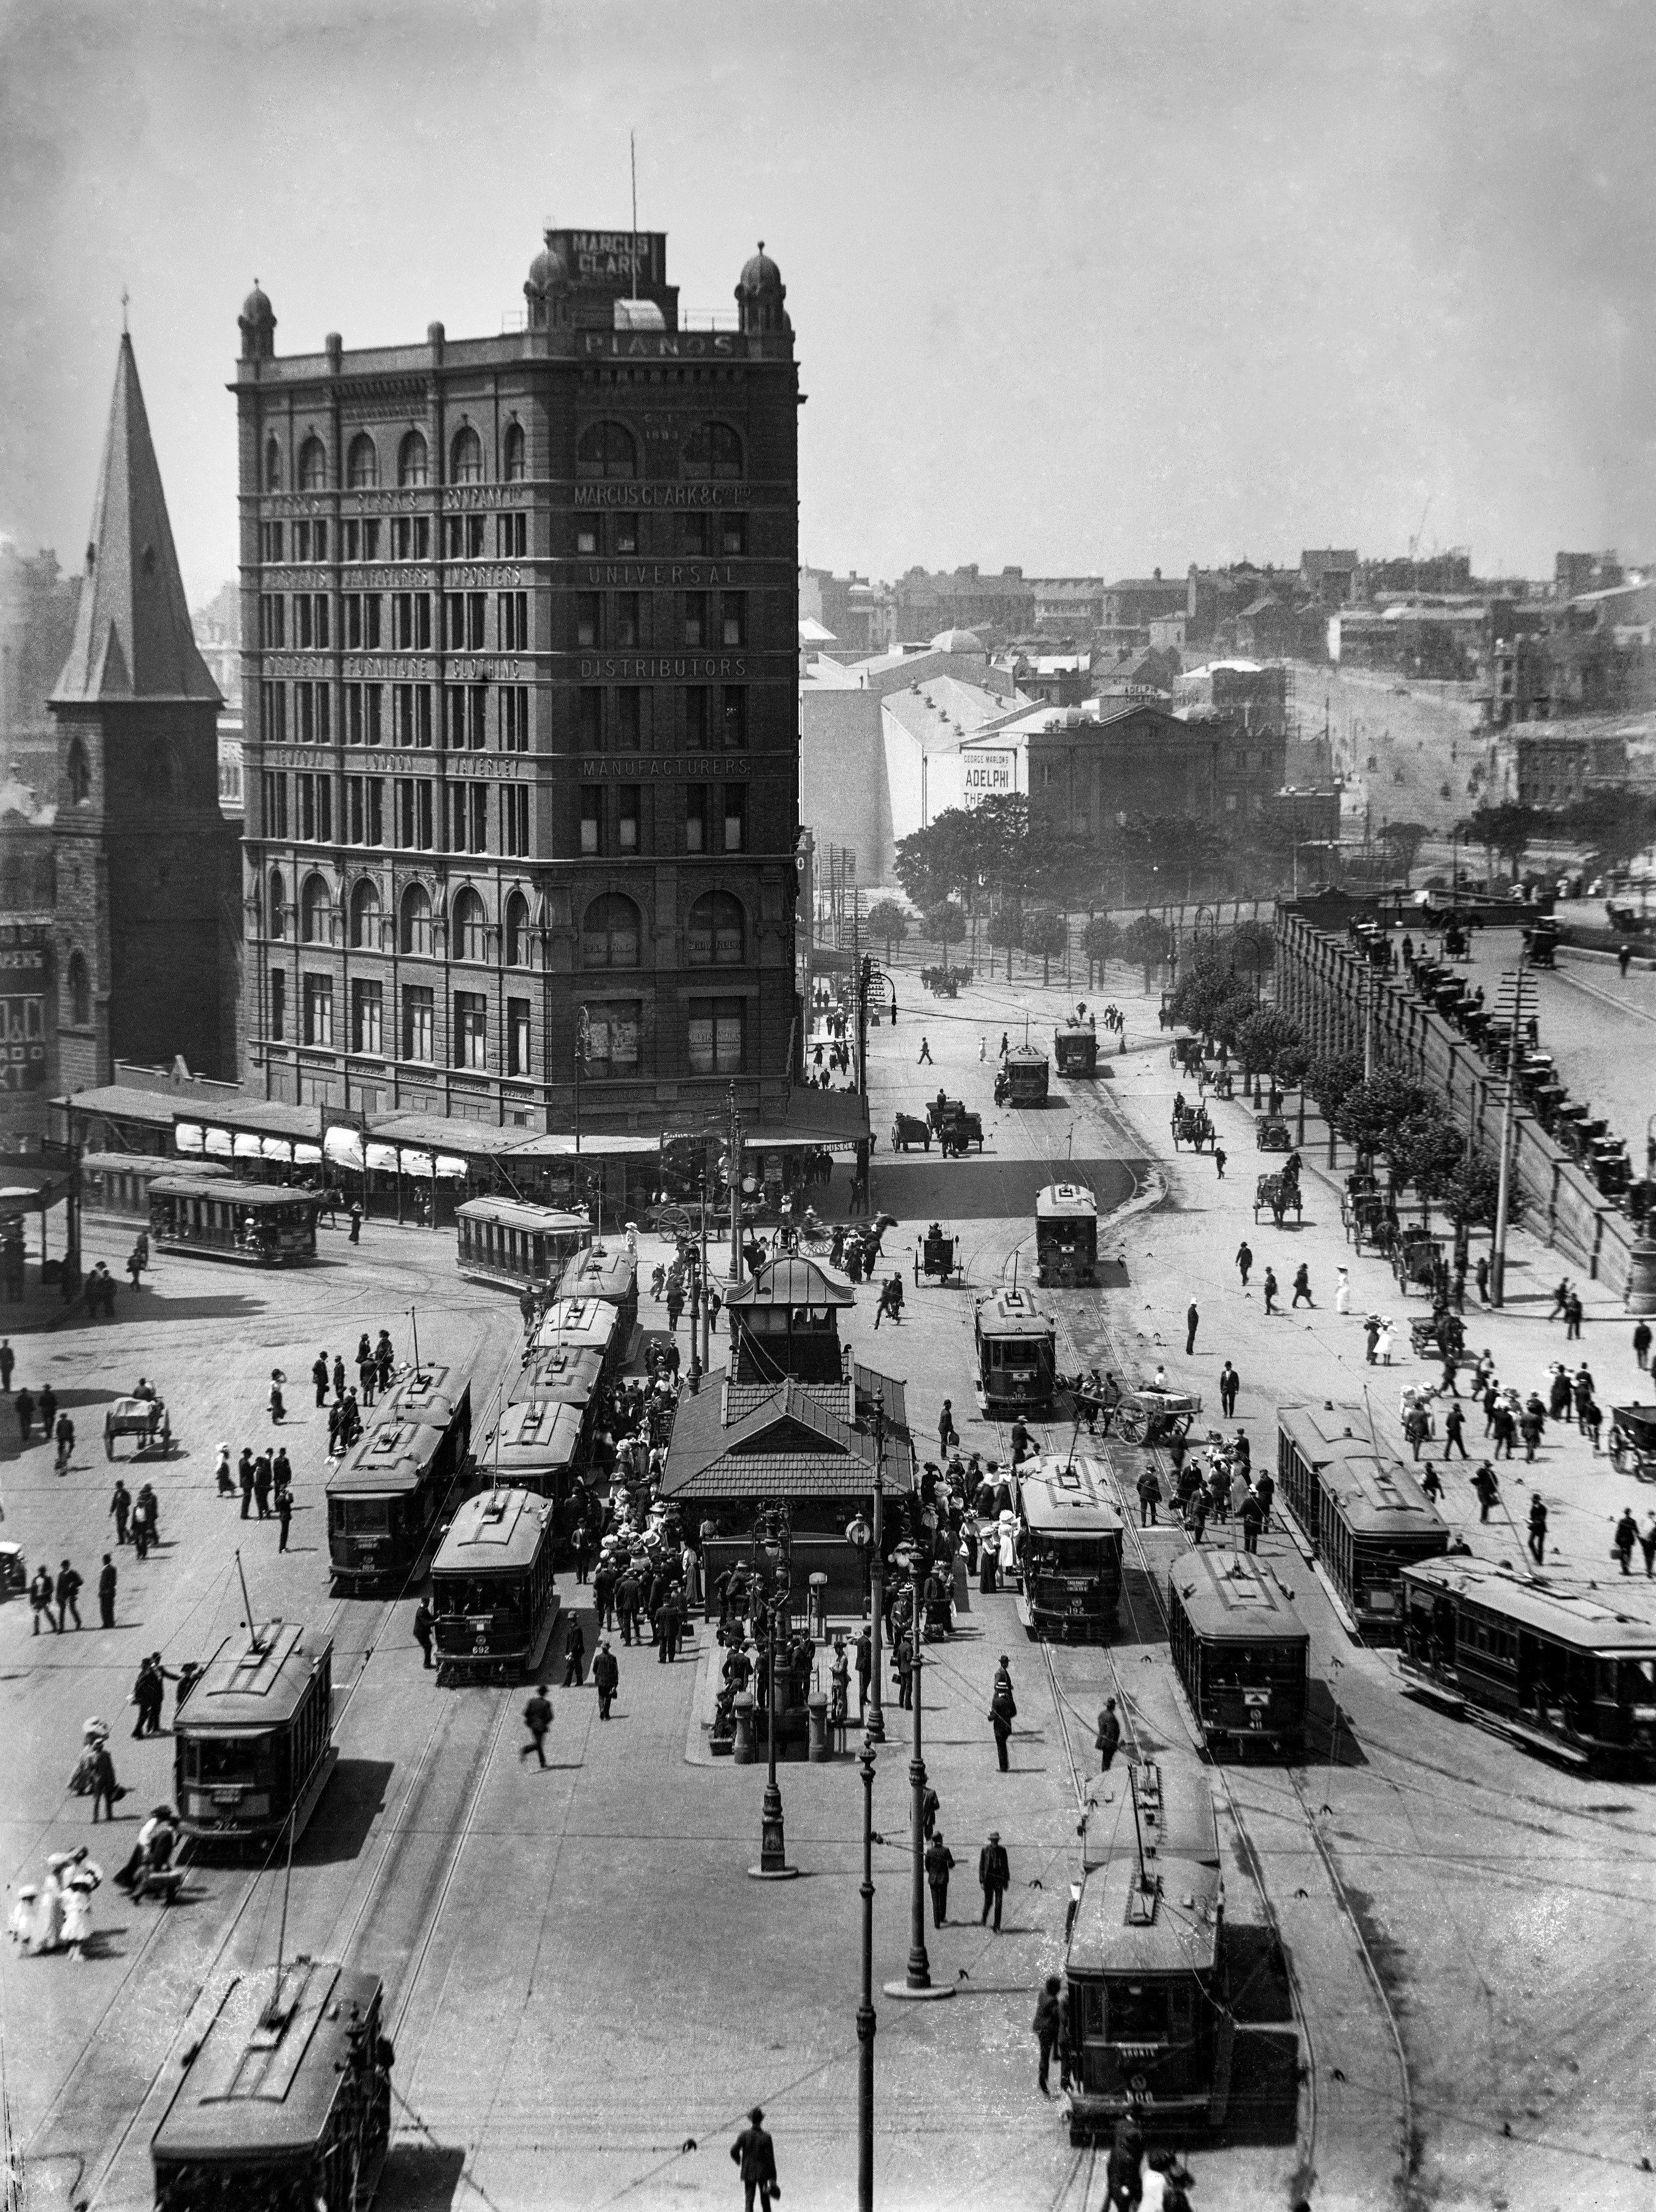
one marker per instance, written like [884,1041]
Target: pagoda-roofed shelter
[785,1322]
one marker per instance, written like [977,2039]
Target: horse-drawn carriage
[146,1420]
[1281,1194]
[1633,1441]
[1191,1126]
[1145,1416]
[945,982]
[1440,1334]
[910,1129]
[1270,1135]
[937,1258]
[1220,1077]
[1185,1054]
[953,1127]
[1417,1260]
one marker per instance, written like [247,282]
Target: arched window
[278,904]
[413,464]
[316,911]
[606,450]
[517,931]
[272,465]
[716,931]
[313,465]
[469,918]
[78,773]
[516,465]
[415,931]
[363,463]
[465,456]
[80,991]
[365,915]
[609,933]
[713,449]
[158,769]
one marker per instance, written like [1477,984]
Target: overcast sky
[1081,288]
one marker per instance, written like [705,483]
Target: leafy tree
[1102,939]
[1251,945]
[1291,1066]
[1330,1079]
[942,858]
[1403,841]
[945,923]
[1209,997]
[1469,1193]
[1428,1151]
[1375,1115]
[887,919]
[1145,940]
[1616,823]
[1263,1037]
[1046,932]
[1505,830]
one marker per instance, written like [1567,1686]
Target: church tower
[148,875]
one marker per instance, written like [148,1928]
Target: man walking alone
[1191,1319]
[538,1719]
[994,1877]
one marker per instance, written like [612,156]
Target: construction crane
[1414,542]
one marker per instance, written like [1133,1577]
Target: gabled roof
[789,1441]
[133,638]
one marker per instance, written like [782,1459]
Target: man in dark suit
[755,2158]
[994,1873]
[939,1860]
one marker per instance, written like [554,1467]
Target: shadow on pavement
[1326,1726]
[1264,2103]
[346,1813]
[1260,1995]
[419,2177]
[929,1188]
[157,1306]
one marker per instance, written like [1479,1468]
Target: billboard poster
[988,775]
[25,1009]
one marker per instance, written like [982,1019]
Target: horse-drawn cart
[1633,1441]
[937,1258]
[1191,1126]
[1281,1194]
[146,1420]
[1145,1416]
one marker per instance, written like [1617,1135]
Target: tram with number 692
[1071,1552]
[253,1742]
[492,1589]
[1242,1653]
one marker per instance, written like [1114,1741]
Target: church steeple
[132,635]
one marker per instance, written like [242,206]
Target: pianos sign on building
[27,1026]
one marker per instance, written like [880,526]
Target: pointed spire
[133,638]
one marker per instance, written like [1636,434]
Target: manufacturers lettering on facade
[691,669]
[989,775]
[637,768]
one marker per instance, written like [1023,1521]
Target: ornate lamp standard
[865,2014]
[773,1543]
[876,1718]
[917,1981]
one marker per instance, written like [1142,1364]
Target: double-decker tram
[585,1324]
[253,1743]
[1066,1235]
[1072,1543]
[538,1445]
[384,1498]
[1149,2021]
[1559,1669]
[1365,1514]
[608,1271]
[503,1241]
[1242,1654]
[285,2101]
[1017,1358]
[492,1589]
[261,1224]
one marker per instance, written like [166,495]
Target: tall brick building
[146,920]
[520,646]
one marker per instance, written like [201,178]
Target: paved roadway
[586,1990]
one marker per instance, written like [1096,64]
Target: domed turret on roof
[257,323]
[548,281]
[959,640]
[759,295]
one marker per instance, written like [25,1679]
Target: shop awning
[560,1144]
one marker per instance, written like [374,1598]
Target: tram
[503,1241]
[1242,1654]
[261,1224]
[568,1375]
[1559,1669]
[438,1395]
[119,1182]
[1366,1514]
[1017,1352]
[492,1589]
[384,1498]
[252,1744]
[585,1324]
[1026,1076]
[1071,1550]
[1066,1235]
[1149,2019]
[1075,1045]
[540,1445]
[285,2101]
[608,1271]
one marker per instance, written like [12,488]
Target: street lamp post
[917,1981]
[773,1849]
[866,2023]
[877,1575]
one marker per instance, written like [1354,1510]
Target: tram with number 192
[1071,1528]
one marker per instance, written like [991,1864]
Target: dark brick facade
[519,651]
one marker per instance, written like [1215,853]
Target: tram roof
[392,1456]
[430,1393]
[568,1374]
[1229,1598]
[535,1432]
[516,1213]
[250,1197]
[1120,1929]
[1319,1431]
[1175,1813]
[1065,1201]
[585,1321]
[1582,1618]
[266,2075]
[149,1164]
[1380,1497]
[496,1532]
[1012,1313]
[254,1680]
[1068,1497]
[602,1271]
[1026,1056]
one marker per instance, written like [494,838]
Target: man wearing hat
[994,1873]
[940,1862]
[755,2158]
[607,1675]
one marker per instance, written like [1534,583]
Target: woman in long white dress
[83,1877]
[49,1907]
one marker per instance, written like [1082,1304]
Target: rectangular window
[591,802]
[453,719]
[695,618]
[477,808]
[373,712]
[276,804]
[592,717]
[273,620]
[350,622]
[477,709]
[377,810]
[325,714]
[453,621]
[471,1029]
[696,533]
[696,729]
[735,718]
[304,714]
[370,537]
[511,536]
[735,817]
[514,718]
[422,622]
[402,622]
[405,812]
[367,1018]
[351,540]
[627,811]
[352,698]
[586,618]
[514,820]
[321,616]
[732,536]
[477,604]
[586,534]
[626,618]
[732,618]
[513,615]
[612,1038]
[454,537]
[714,1042]
[695,814]
[626,533]
[302,618]
[517,1037]
[307,792]
[427,827]
[279,1004]
[270,541]
[319,1010]
[419,1022]
[474,530]
[355,816]
[402,713]
[628,717]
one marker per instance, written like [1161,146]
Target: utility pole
[865,2022]
[735,1190]
[1515,989]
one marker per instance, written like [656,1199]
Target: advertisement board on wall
[988,775]
[26,999]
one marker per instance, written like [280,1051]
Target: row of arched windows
[712,450]
[612,928]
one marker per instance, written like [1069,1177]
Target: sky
[1080,288]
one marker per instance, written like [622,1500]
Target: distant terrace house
[1328,575]
[1133,602]
[1557,767]
[855,611]
[1444,643]
[1069,607]
[961,598]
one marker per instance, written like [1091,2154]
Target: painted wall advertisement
[988,776]
[25,1008]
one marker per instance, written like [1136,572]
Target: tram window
[1092,1996]
[371,1516]
[1138,2012]
[232,1758]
